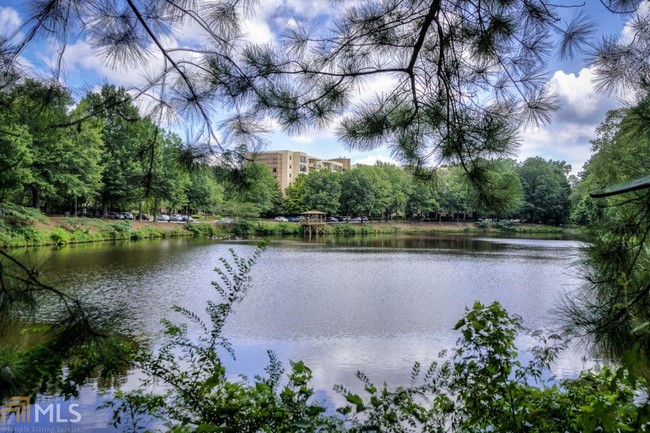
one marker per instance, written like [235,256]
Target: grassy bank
[25,228]
[272,228]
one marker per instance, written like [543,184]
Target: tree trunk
[104,206]
[75,207]
[36,197]
[140,211]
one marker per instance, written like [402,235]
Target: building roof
[313,212]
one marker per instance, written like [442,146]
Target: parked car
[293,219]
[162,218]
[112,215]
[126,216]
[332,220]
[175,218]
[281,219]
[355,220]
[187,219]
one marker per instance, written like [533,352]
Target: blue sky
[565,138]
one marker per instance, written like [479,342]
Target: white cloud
[376,85]
[573,125]
[578,98]
[373,159]
[83,65]
[322,135]
[560,141]
[311,8]
[9,20]
[257,30]
[302,139]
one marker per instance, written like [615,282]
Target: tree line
[101,154]
[536,190]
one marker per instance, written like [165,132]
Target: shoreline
[60,231]
[272,228]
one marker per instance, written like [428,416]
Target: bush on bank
[24,227]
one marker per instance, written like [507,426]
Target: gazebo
[314,222]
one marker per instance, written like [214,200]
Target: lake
[375,304]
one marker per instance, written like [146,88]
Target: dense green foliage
[387,191]
[50,162]
[613,305]
[103,155]
[253,185]
[546,190]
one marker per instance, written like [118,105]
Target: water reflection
[376,303]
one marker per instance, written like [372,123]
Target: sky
[565,138]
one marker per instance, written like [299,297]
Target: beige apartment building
[287,165]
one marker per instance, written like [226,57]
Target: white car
[162,218]
[281,219]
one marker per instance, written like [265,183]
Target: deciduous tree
[323,191]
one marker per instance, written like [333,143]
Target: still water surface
[375,304]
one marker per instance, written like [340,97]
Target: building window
[289,174]
[289,157]
[303,168]
[303,159]
[275,170]
[289,166]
